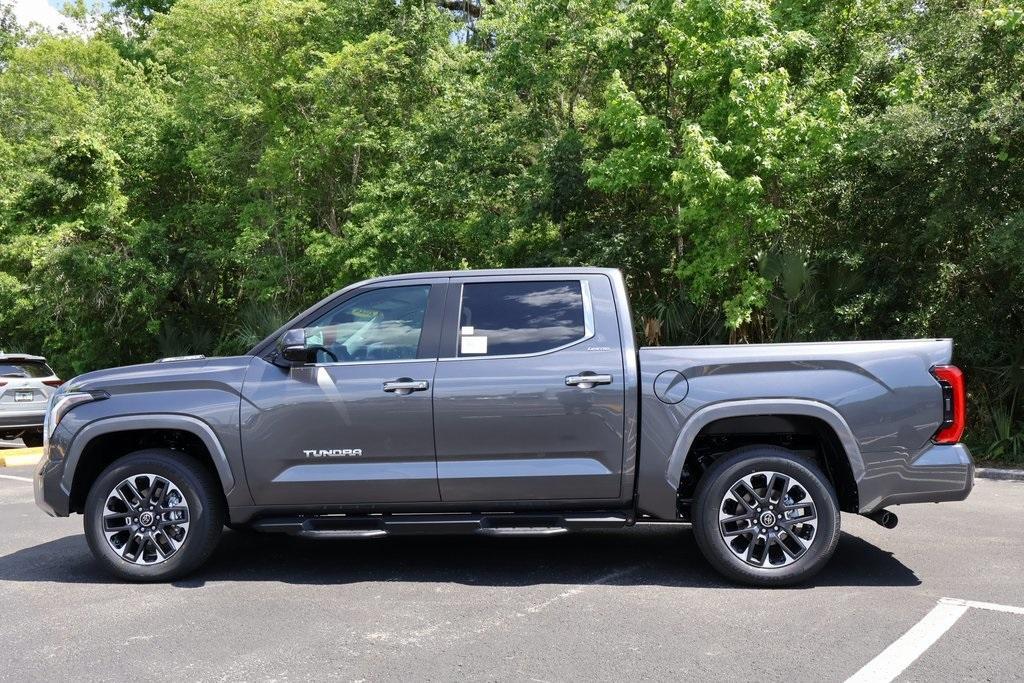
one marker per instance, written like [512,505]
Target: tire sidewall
[188,477]
[727,471]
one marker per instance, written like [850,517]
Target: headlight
[59,406]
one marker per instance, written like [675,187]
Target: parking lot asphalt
[627,604]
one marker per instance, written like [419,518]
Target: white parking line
[14,478]
[984,605]
[894,659]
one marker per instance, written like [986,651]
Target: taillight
[954,403]
[53,382]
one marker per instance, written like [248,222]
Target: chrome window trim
[367,362]
[588,310]
[588,322]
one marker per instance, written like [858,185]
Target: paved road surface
[629,604]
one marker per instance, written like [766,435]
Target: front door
[357,426]
[528,398]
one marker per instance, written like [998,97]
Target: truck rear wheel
[153,515]
[765,516]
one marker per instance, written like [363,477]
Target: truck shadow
[660,556]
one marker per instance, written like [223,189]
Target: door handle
[405,385]
[587,381]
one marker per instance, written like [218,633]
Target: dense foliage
[192,172]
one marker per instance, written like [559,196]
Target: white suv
[26,384]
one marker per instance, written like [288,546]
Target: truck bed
[879,398]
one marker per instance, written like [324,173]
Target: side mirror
[296,349]
[292,347]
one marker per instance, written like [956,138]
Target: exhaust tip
[884,518]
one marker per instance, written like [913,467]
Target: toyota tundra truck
[503,403]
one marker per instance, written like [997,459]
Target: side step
[397,524]
[316,527]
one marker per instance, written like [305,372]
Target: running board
[318,528]
[377,526]
[523,531]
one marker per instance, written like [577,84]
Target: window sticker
[474,344]
[467,330]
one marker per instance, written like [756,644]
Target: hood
[161,372]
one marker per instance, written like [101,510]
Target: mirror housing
[292,347]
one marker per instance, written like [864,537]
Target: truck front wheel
[153,515]
[766,516]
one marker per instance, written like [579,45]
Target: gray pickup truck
[503,403]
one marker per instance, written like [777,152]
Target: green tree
[189,173]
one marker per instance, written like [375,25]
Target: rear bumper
[21,419]
[938,474]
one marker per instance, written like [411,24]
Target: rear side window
[512,318]
[23,368]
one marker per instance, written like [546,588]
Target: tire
[182,530]
[736,498]
[32,439]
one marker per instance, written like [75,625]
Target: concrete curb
[20,457]
[1004,475]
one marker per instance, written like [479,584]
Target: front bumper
[937,474]
[47,482]
[50,497]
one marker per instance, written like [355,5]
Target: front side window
[511,318]
[379,325]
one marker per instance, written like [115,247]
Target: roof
[21,356]
[563,270]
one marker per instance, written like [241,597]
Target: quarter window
[381,324]
[511,318]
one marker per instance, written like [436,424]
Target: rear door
[528,393]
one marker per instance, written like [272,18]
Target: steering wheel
[318,349]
